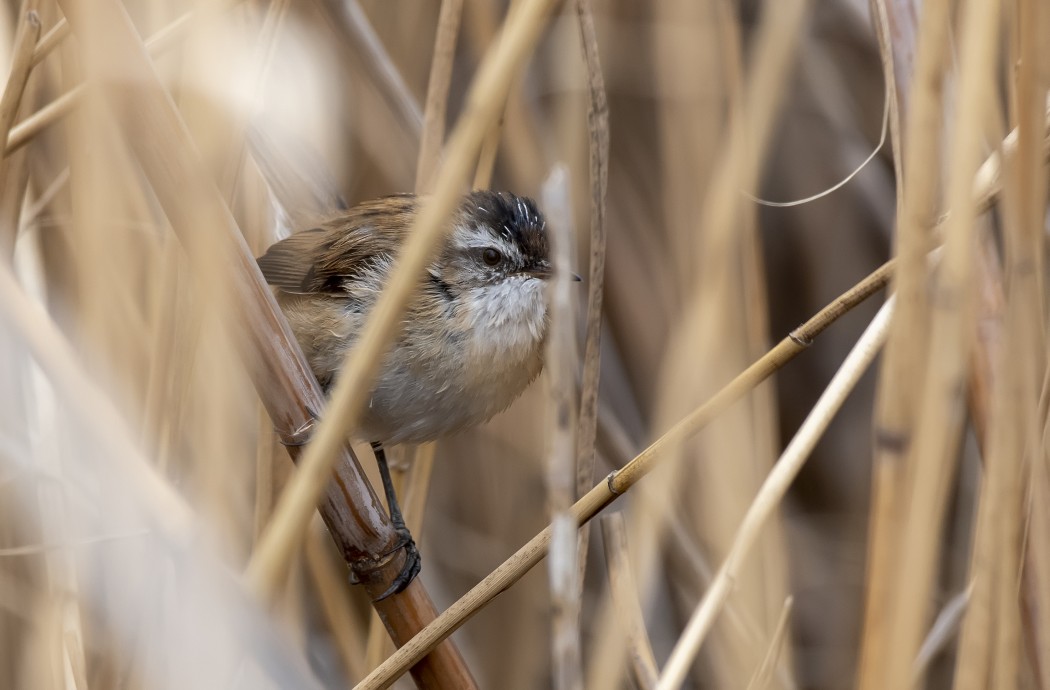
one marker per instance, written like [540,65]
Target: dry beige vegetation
[875,515]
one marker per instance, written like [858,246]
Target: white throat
[508,318]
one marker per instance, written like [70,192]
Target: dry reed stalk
[1027,266]
[931,458]
[896,23]
[988,347]
[988,650]
[487,155]
[624,599]
[621,481]
[974,659]
[897,399]
[764,673]
[1036,571]
[598,172]
[560,364]
[990,647]
[773,490]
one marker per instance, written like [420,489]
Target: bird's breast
[450,369]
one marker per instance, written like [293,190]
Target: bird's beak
[543,270]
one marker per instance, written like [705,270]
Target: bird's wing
[319,260]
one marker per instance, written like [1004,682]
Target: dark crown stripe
[515,218]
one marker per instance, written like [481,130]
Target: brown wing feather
[318,260]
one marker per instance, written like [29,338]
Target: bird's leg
[412,560]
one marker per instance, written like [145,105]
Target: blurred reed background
[138,468]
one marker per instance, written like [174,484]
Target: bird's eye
[491,257]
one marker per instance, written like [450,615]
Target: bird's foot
[413,563]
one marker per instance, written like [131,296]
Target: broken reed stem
[605,492]
[292,512]
[772,492]
[624,598]
[598,155]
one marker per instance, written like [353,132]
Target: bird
[472,338]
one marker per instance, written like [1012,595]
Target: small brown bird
[472,337]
